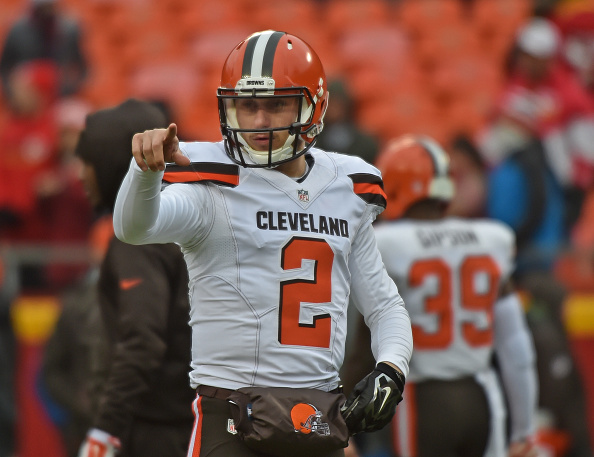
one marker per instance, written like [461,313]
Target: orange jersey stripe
[367,188]
[404,424]
[195,176]
[196,439]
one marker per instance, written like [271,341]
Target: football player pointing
[268,300]
[454,276]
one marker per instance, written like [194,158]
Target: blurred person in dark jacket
[142,407]
[74,362]
[469,173]
[9,289]
[341,133]
[45,33]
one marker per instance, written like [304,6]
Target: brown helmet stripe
[259,54]
[246,69]
[269,52]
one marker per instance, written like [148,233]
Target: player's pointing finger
[171,133]
[137,151]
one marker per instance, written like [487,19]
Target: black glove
[372,403]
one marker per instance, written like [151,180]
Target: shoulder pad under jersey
[366,179]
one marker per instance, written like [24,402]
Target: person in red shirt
[542,98]
[29,148]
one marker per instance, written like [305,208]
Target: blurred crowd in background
[506,86]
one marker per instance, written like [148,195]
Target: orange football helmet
[413,168]
[307,419]
[273,64]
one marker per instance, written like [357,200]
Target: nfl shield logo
[231,427]
[303,195]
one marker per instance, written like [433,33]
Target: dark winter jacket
[143,294]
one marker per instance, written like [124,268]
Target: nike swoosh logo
[127,284]
[346,412]
[387,392]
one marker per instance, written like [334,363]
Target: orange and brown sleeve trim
[217,173]
[370,188]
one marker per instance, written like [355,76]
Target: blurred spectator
[63,204]
[562,402]
[143,298]
[68,356]
[341,133]
[578,46]
[523,193]
[44,33]
[583,236]
[71,113]
[8,292]
[467,169]
[545,100]
[543,130]
[73,365]
[540,150]
[29,148]
[575,268]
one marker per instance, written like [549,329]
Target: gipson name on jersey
[302,222]
[448,237]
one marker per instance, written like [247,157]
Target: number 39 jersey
[449,273]
[273,263]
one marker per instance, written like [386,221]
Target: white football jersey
[449,273]
[273,263]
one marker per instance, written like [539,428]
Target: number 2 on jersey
[297,291]
[441,303]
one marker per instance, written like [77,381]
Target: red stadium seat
[384,48]
[173,82]
[418,16]
[208,51]
[463,74]
[347,15]
[500,16]
[296,16]
[215,17]
[445,43]
[407,112]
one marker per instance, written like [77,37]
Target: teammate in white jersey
[278,239]
[454,277]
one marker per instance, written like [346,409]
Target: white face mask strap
[282,153]
[306,111]
[231,115]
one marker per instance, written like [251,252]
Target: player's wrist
[104,437]
[99,443]
[395,374]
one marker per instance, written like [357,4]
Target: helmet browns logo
[307,419]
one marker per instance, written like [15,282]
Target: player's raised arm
[153,148]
